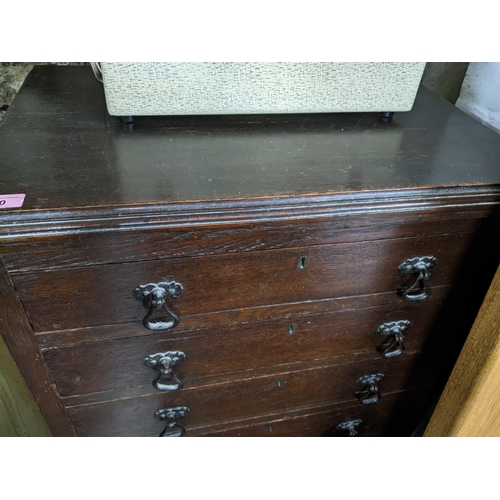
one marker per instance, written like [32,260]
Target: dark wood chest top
[60,147]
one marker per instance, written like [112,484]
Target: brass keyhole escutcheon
[292,328]
[301,264]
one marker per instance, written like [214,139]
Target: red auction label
[11,200]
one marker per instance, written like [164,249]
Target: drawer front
[227,402]
[94,248]
[119,365]
[396,415]
[103,295]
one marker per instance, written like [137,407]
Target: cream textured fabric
[240,88]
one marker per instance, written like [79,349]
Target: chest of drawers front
[232,339]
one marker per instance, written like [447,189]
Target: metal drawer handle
[154,295]
[394,329]
[164,361]
[172,428]
[349,427]
[419,266]
[369,393]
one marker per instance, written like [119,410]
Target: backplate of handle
[154,296]
[172,428]
[349,427]
[369,393]
[419,266]
[167,380]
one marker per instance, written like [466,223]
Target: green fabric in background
[19,414]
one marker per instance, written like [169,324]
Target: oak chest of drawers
[292,275]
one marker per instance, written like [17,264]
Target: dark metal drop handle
[422,283]
[160,324]
[394,329]
[167,380]
[155,296]
[419,266]
[349,427]
[369,394]
[395,348]
[172,428]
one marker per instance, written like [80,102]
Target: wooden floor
[19,414]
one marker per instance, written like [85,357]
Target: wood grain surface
[226,402]
[103,295]
[396,415]
[60,147]
[99,366]
[19,338]
[239,317]
[470,403]
[111,242]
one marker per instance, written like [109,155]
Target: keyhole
[292,329]
[302,262]
[280,383]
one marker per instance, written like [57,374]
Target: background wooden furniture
[470,403]
[287,236]
[19,414]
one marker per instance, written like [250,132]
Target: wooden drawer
[103,295]
[118,365]
[273,393]
[396,414]
[168,240]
